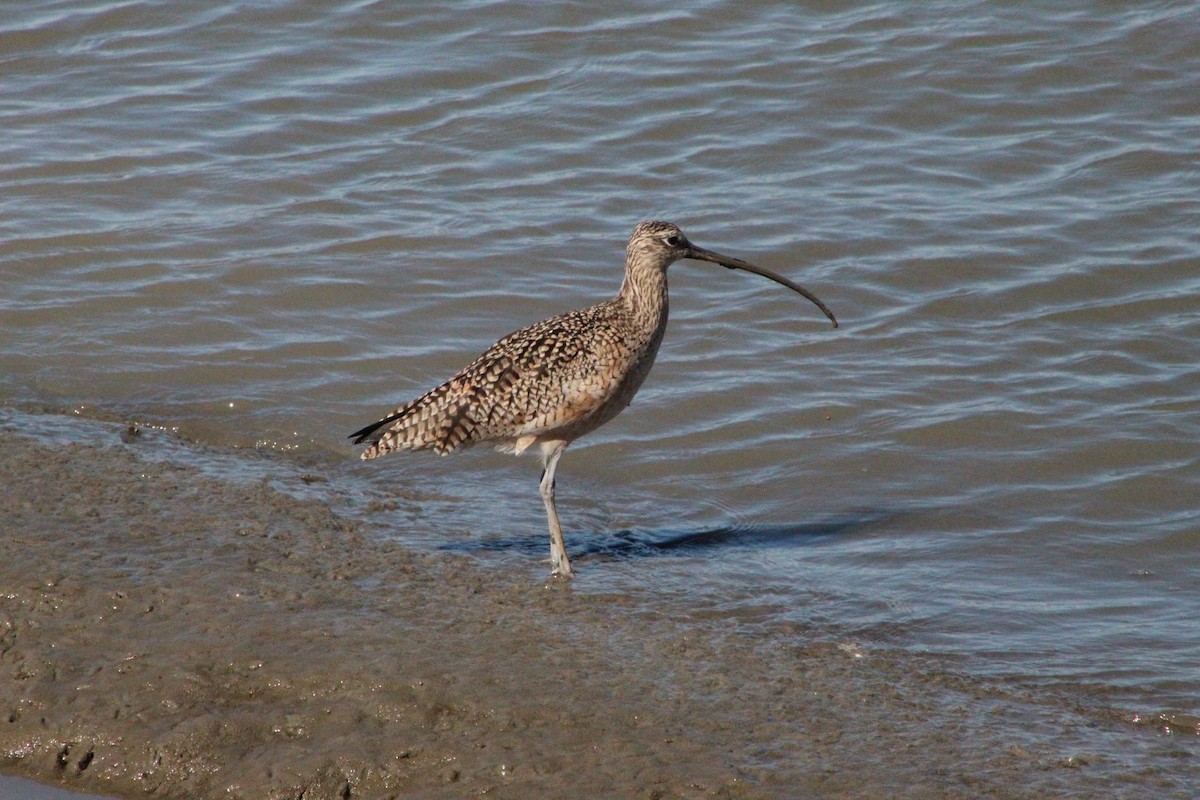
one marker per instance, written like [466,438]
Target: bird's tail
[440,420]
[373,432]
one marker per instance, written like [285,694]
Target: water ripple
[267,224]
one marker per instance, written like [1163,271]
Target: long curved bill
[700,254]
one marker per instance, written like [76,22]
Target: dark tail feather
[363,434]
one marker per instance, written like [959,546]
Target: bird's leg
[559,564]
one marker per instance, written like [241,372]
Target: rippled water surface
[267,225]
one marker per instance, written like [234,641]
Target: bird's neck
[644,293]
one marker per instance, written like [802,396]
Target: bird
[542,387]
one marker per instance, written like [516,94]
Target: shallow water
[266,227]
[23,789]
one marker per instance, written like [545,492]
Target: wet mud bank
[166,633]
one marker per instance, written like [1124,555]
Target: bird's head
[661,244]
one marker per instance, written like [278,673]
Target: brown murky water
[262,227]
[170,633]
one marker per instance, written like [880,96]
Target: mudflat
[164,632]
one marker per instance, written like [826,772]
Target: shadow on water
[629,544]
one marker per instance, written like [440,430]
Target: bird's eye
[674,240]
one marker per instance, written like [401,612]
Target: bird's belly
[585,407]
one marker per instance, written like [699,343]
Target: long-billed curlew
[550,383]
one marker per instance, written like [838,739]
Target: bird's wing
[530,382]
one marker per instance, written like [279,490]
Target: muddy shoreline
[164,632]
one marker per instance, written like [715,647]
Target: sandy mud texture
[163,633]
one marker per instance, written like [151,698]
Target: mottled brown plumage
[558,379]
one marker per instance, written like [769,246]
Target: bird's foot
[561,567]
